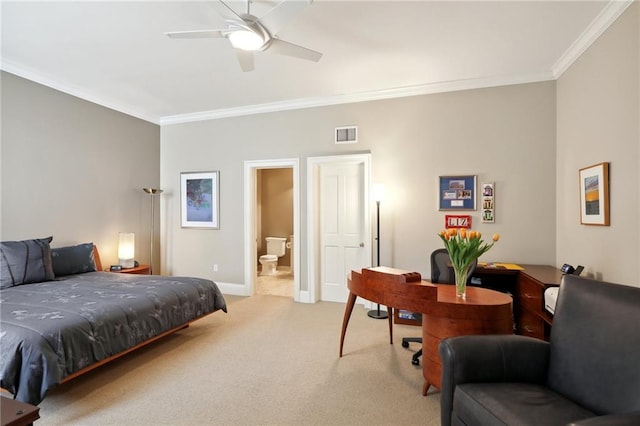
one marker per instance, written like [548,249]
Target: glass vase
[461,275]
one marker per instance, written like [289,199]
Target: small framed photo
[488,202]
[200,199]
[457,193]
[594,195]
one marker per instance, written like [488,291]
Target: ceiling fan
[248,33]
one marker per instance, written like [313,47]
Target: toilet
[276,247]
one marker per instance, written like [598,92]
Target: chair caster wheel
[405,344]
[415,361]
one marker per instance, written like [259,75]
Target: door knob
[361,244]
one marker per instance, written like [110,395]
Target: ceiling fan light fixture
[246,40]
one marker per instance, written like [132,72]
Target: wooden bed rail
[123,353]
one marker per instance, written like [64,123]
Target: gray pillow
[24,262]
[73,260]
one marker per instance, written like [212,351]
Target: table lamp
[126,249]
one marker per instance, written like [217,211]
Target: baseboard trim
[232,289]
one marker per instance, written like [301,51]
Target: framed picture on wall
[457,193]
[488,202]
[594,195]
[200,199]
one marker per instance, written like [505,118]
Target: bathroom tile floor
[279,284]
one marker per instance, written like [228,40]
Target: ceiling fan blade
[246,59]
[225,11]
[196,34]
[285,48]
[281,14]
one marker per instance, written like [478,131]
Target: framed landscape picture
[594,195]
[457,193]
[199,198]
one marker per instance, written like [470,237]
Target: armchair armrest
[628,419]
[489,358]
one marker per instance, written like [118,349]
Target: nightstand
[140,270]
[17,413]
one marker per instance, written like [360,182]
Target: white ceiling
[115,53]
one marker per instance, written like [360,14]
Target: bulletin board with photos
[457,193]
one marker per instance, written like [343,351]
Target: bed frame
[118,355]
[98,263]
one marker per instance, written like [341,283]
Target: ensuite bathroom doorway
[274,231]
[272,226]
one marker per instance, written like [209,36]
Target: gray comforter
[52,329]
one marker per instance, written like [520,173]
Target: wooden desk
[527,287]
[531,317]
[443,314]
[482,312]
[17,413]
[389,287]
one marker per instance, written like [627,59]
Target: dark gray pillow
[73,259]
[24,262]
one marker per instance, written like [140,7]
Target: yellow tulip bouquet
[464,247]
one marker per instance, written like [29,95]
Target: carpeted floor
[269,361]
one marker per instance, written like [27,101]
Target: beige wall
[504,135]
[74,170]
[598,121]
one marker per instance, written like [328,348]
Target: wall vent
[347,134]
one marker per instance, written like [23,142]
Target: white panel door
[341,227]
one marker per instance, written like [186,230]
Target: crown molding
[375,95]
[609,14]
[12,68]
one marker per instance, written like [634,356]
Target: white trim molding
[374,95]
[232,289]
[609,14]
[78,92]
[250,247]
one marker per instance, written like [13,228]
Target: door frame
[250,219]
[314,164]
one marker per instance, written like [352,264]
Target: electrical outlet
[215,267]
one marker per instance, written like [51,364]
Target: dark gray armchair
[588,374]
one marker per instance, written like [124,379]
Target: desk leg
[351,301]
[390,311]
[425,388]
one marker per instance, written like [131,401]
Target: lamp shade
[126,249]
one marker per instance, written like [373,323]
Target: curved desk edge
[393,288]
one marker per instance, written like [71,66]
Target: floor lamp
[378,191]
[152,192]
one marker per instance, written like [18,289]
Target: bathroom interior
[275,232]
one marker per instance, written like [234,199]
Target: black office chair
[441,273]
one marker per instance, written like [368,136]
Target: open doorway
[271,226]
[274,231]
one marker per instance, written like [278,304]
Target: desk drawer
[530,294]
[530,325]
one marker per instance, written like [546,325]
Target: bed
[60,316]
